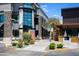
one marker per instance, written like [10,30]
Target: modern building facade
[70,23]
[18,18]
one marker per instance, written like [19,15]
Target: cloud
[56,15]
[44,7]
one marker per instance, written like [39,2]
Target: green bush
[15,39]
[14,44]
[26,42]
[32,41]
[60,45]
[52,46]
[20,44]
[26,36]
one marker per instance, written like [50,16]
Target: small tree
[52,23]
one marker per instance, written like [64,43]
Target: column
[32,19]
[21,24]
[40,27]
[7,28]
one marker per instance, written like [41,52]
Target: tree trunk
[55,35]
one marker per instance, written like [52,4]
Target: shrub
[14,44]
[26,42]
[14,39]
[20,43]
[60,45]
[26,36]
[52,46]
[32,41]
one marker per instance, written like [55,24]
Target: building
[17,18]
[70,23]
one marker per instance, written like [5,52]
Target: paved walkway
[41,45]
[71,45]
[38,49]
[38,46]
[70,52]
[73,52]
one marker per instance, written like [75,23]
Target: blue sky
[54,9]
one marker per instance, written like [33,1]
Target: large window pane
[28,5]
[27,17]
[1,18]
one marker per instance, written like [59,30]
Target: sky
[54,9]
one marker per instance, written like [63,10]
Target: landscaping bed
[56,46]
[21,43]
[27,40]
[61,49]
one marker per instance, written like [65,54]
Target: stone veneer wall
[7,27]
[40,27]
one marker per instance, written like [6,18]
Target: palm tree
[52,23]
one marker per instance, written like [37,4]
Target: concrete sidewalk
[38,46]
[41,45]
[68,45]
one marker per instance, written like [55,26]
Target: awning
[70,25]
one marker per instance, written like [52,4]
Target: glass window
[16,33]
[27,17]
[1,18]
[28,5]
[16,17]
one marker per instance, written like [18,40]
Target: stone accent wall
[40,27]
[7,25]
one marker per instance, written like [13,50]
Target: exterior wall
[70,15]
[19,10]
[7,27]
[15,26]
[71,20]
[33,19]
[41,13]
[21,23]
[27,5]
[16,6]
[5,7]
[43,17]
[27,18]
[40,27]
